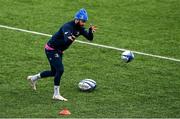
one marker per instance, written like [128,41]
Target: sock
[56,90]
[36,77]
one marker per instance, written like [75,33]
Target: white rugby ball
[87,85]
[127,56]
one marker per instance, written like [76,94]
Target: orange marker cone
[65,112]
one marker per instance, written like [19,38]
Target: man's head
[81,17]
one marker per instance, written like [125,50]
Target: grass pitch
[146,87]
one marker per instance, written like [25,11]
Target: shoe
[33,83]
[59,97]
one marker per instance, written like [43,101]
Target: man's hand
[93,28]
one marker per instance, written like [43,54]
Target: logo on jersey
[56,55]
[65,33]
[77,33]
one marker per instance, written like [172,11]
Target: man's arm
[89,34]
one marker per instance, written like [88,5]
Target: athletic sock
[36,77]
[56,90]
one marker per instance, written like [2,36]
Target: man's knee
[60,70]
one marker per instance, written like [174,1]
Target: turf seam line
[93,44]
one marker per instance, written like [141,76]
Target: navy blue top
[60,41]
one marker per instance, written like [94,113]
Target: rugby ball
[127,56]
[87,85]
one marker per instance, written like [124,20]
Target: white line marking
[94,44]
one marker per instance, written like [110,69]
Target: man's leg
[33,78]
[56,62]
[48,73]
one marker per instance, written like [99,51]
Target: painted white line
[93,44]
[23,30]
